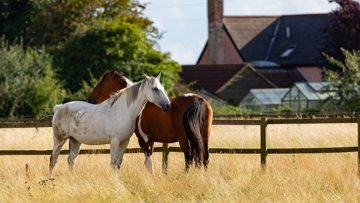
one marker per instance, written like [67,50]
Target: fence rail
[165,149]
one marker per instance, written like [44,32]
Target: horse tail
[193,120]
[55,109]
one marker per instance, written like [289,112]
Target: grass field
[230,177]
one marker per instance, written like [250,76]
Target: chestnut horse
[188,122]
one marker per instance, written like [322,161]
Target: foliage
[87,37]
[84,92]
[112,45]
[343,30]
[227,109]
[28,83]
[283,109]
[16,16]
[49,23]
[312,110]
[347,82]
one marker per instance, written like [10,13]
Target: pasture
[230,177]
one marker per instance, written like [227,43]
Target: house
[277,51]
[230,82]
[286,41]
[264,99]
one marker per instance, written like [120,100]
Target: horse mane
[133,92]
[120,77]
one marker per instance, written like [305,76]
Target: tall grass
[230,177]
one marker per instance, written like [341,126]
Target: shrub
[28,83]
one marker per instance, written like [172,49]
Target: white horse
[112,121]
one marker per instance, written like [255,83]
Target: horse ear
[158,77]
[147,77]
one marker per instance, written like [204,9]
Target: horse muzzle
[166,107]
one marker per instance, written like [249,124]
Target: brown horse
[188,122]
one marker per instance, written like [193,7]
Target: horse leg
[74,147]
[55,153]
[205,138]
[185,147]
[148,150]
[117,150]
[206,155]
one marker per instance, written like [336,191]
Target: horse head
[155,93]
[110,83]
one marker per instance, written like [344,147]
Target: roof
[265,96]
[281,77]
[209,77]
[267,38]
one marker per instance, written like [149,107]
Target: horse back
[76,111]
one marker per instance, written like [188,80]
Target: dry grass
[230,178]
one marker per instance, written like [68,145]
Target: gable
[231,54]
[251,34]
[234,91]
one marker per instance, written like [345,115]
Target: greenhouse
[264,99]
[305,96]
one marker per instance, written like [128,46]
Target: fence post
[165,154]
[358,127]
[263,139]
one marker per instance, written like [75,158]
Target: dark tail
[193,120]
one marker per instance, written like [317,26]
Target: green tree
[16,17]
[58,20]
[347,82]
[52,22]
[113,45]
[27,80]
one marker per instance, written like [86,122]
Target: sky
[184,22]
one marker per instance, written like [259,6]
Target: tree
[112,45]
[347,82]
[343,30]
[28,84]
[16,17]
[48,23]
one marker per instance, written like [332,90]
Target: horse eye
[156,89]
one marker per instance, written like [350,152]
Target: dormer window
[288,51]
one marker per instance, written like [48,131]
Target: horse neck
[135,106]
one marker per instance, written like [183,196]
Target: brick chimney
[215,29]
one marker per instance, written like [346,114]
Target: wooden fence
[262,150]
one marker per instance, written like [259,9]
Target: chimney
[215,29]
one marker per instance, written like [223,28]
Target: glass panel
[307,91]
[314,104]
[261,97]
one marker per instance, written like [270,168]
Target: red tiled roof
[209,77]
[282,78]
